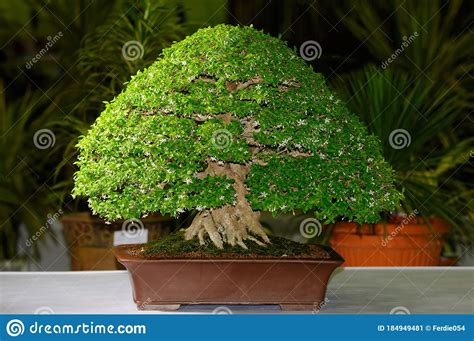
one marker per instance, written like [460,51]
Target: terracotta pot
[90,240]
[397,243]
[294,284]
[448,261]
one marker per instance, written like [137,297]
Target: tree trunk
[229,224]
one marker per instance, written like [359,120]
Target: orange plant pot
[397,243]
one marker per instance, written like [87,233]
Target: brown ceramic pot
[294,284]
[397,243]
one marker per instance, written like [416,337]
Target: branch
[235,86]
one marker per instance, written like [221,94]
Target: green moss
[174,245]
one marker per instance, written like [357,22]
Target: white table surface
[430,290]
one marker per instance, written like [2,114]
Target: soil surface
[174,246]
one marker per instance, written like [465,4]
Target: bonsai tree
[230,121]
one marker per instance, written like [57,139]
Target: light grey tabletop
[435,290]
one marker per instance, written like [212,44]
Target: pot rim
[123,256]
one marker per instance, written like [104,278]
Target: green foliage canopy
[306,150]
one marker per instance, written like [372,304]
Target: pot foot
[162,307]
[297,307]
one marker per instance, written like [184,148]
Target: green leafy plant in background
[131,36]
[231,121]
[23,198]
[443,46]
[425,165]
[422,96]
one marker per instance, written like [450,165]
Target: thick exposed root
[227,225]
